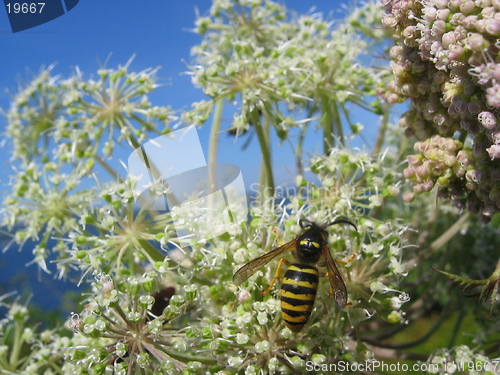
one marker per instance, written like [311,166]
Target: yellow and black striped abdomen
[298,293]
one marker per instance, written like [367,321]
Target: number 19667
[24,7]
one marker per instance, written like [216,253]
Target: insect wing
[250,268]
[338,288]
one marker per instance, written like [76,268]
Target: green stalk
[382,130]
[403,146]
[326,124]
[450,233]
[108,168]
[443,239]
[265,148]
[331,124]
[152,251]
[335,118]
[16,348]
[300,143]
[214,140]
[298,150]
[186,357]
[262,181]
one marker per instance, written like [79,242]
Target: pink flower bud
[457,19]
[452,110]
[496,137]
[476,59]
[408,197]
[442,14]
[450,160]
[463,158]
[415,160]
[456,52]
[389,21]
[448,39]
[421,146]
[427,185]
[461,32]
[469,22]
[430,13]
[439,119]
[471,185]
[423,171]
[393,99]
[488,12]
[476,42]
[495,72]
[469,175]
[467,7]
[493,96]
[454,4]
[473,107]
[462,106]
[396,51]
[487,119]
[494,152]
[481,26]
[438,28]
[409,172]
[409,32]
[493,26]
[441,4]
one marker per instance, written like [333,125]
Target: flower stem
[326,124]
[267,180]
[446,236]
[331,124]
[16,348]
[381,133]
[214,140]
[450,233]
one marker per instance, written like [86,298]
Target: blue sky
[157,32]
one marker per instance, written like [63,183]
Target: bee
[300,283]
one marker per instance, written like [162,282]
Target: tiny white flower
[262,346]
[262,318]
[242,338]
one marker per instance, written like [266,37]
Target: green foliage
[488,287]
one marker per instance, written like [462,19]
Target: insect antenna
[341,221]
[304,223]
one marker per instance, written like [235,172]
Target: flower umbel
[446,62]
[119,319]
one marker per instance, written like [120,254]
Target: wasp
[300,283]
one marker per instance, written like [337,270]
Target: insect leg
[275,231]
[344,262]
[276,276]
